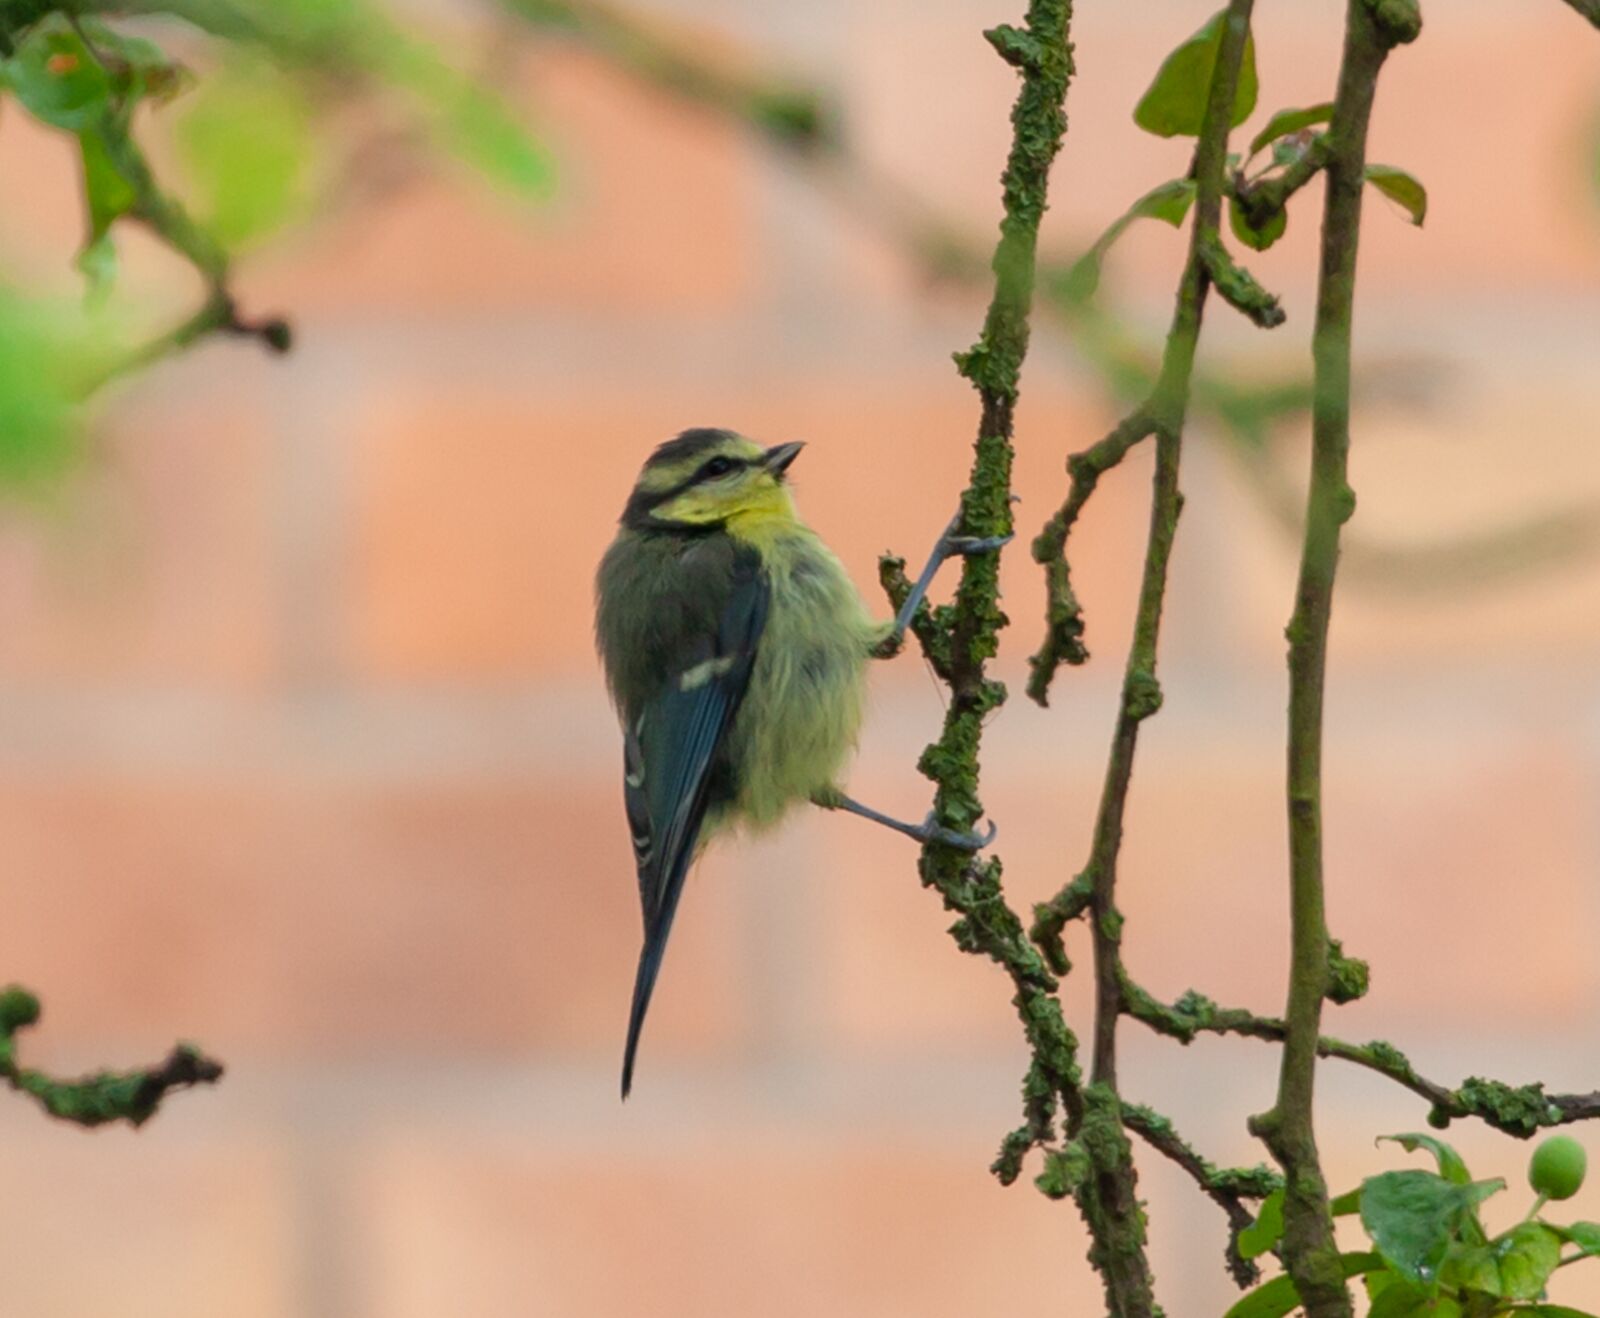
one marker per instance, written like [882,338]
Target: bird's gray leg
[947,546]
[925,832]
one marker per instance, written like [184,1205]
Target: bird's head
[707,478]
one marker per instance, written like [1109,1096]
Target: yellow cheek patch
[694,507]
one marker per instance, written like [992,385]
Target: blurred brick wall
[303,751]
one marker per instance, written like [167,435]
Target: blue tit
[735,647]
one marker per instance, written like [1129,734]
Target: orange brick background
[303,751]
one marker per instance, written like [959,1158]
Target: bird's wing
[671,746]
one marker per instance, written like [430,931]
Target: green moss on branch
[106,1096]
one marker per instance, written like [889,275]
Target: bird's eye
[718,467]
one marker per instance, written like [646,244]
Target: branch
[106,1096]
[1063,613]
[1227,1187]
[1262,199]
[1310,1253]
[1163,412]
[1516,1110]
[788,113]
[959,639]
[1590,9]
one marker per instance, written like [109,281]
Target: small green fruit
[1557,1167]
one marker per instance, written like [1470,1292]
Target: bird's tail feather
[644,980]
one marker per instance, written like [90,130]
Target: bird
[735,649]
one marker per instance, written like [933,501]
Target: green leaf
[1413,1216]
[1175,104]
[1400,186]
[1526,1255]
[1257,239]
[57,78]
[1397,1300]
[1291,121]
[1347,1203]
[1275,1298]
[1168,202]
[1451,1167]
[1552,1311]
[1265,1232]
[1585,1235]
[246,141]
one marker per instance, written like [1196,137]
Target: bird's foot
[967,545]
[970,841]
[928,831]
[949,545]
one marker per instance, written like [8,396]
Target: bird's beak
[779,456]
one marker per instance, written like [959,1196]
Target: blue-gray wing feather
[674,765]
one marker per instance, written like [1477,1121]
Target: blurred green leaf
[1168,202]
[247,142]
[138,68]
[471,121]
[1175,104]
[1265,1232]
[1347,1203]
[97,262]
[106,191]
[57,79]
[1451,1167]
[1413,1216]
[1400,186]
[1278,1297]
[1291,121]
[1257,239]
[45,353]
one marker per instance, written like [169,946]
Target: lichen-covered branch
[961,638]
[1228,1187]
[1518,1110]
[106,1096]
[1310,1254]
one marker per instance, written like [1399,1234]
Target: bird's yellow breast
[799,721]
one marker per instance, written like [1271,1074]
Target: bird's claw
[971,842]
[975,544]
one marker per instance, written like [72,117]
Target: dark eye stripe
[720,465]
[642,503]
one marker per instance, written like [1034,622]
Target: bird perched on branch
[736,648]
